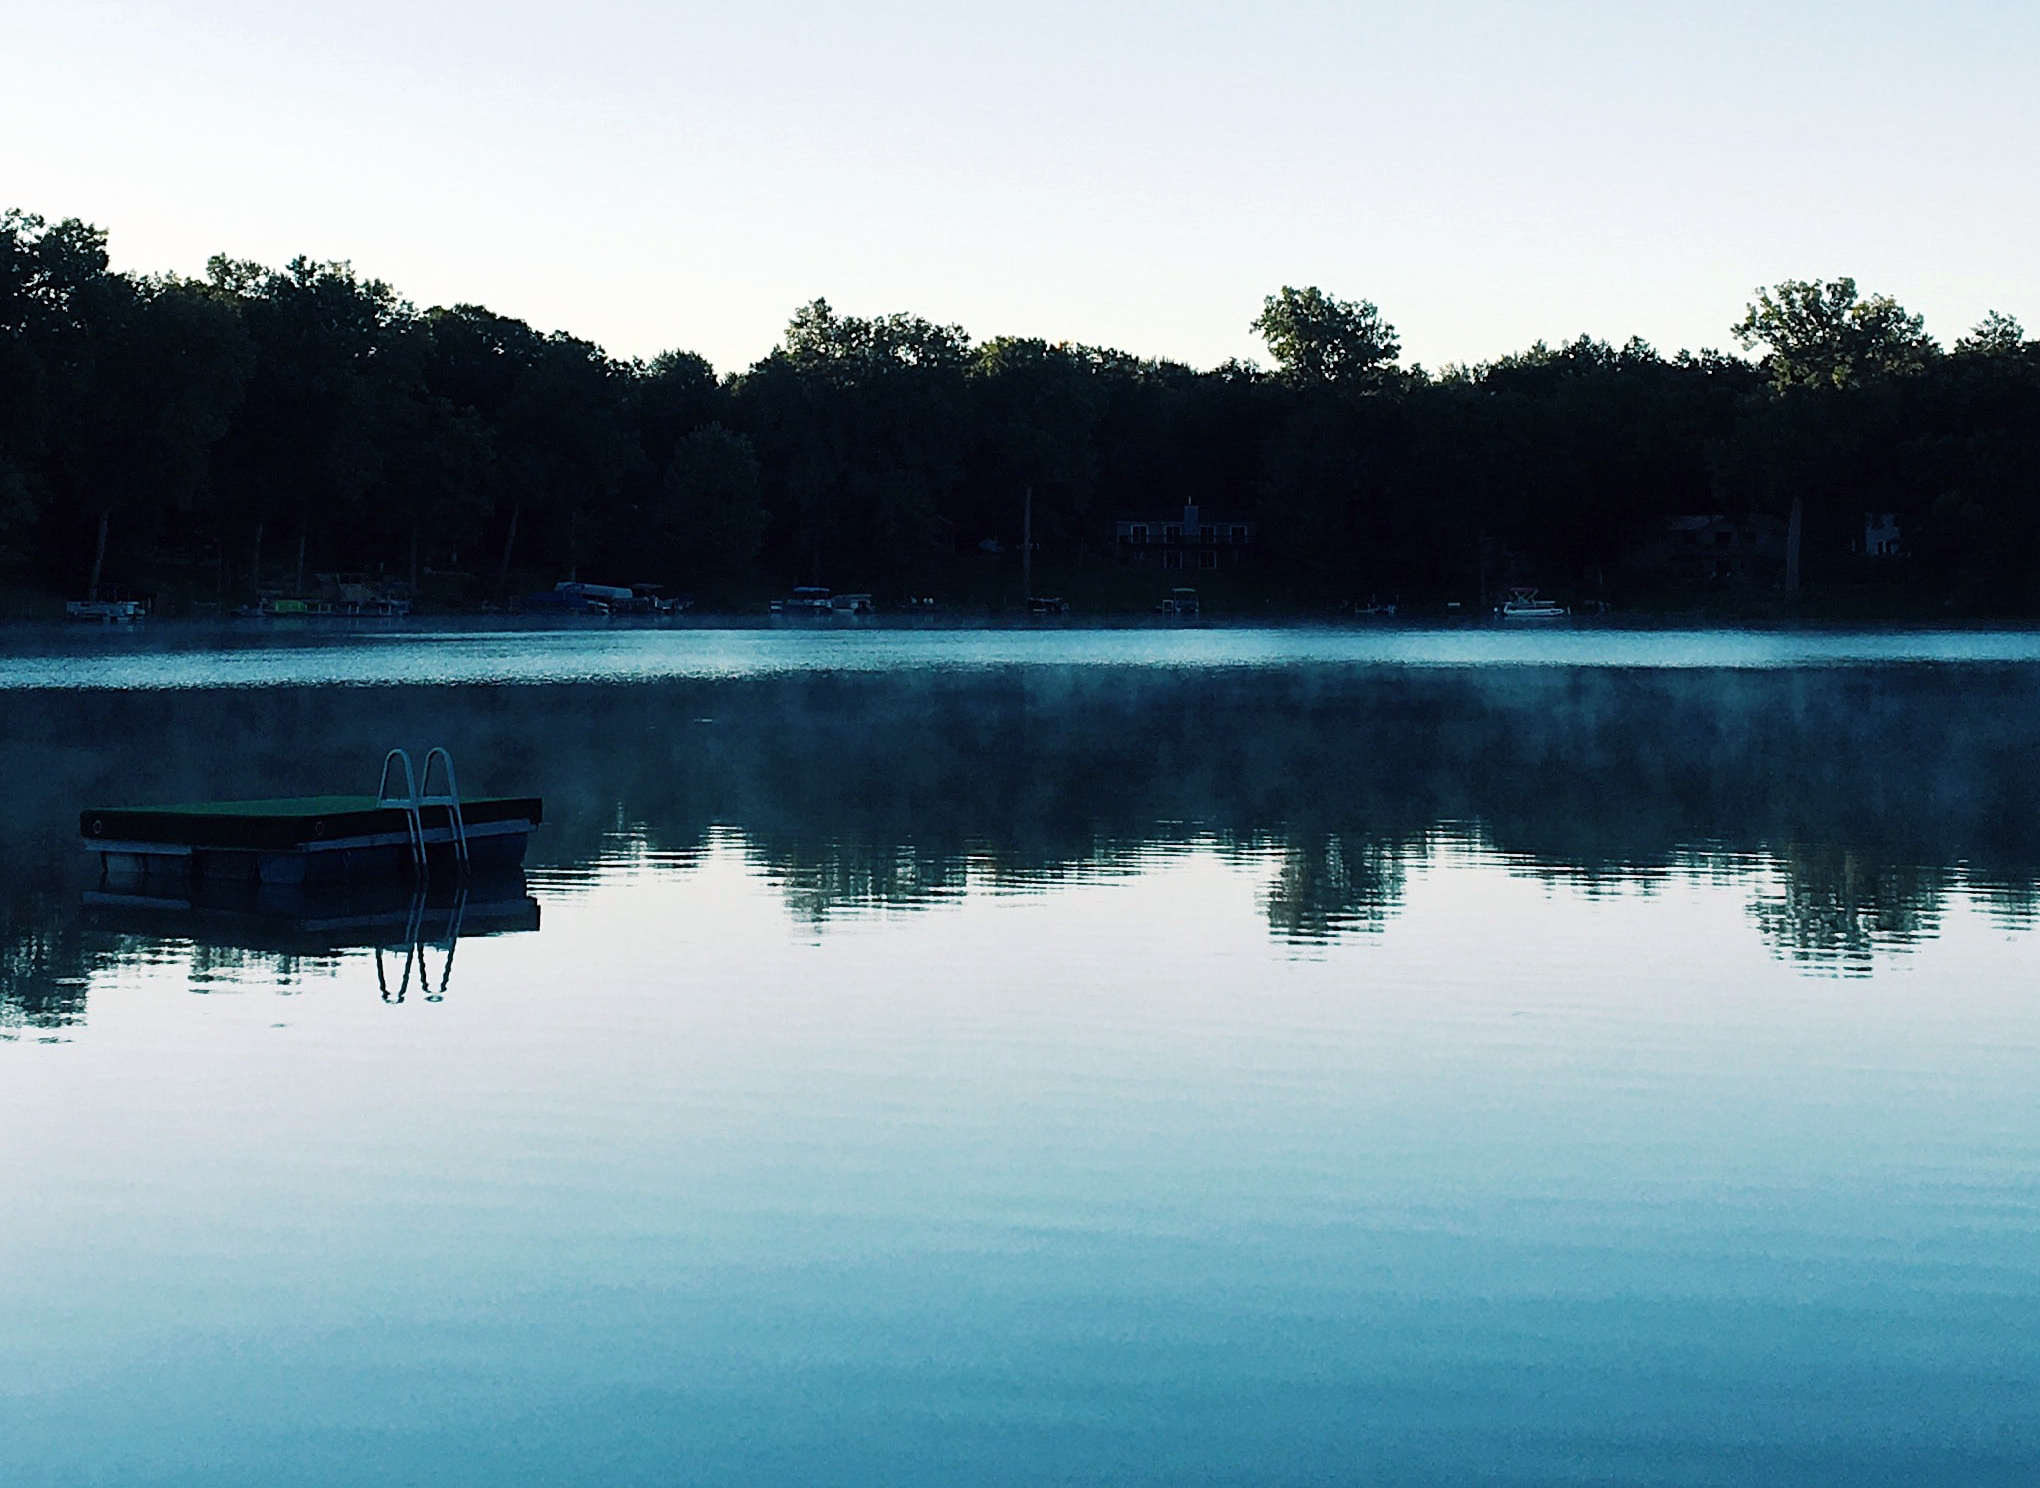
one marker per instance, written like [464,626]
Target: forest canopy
[240,432]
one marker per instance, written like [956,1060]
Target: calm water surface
[1139,1057]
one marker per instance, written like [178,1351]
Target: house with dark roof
[1190,540]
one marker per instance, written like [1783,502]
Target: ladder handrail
[409,804]
[414,951]
[453,926]
[417,796]
[456,822]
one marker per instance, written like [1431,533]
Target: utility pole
[1794,530]
[1027,547]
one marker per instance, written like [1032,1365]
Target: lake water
[1133,1057]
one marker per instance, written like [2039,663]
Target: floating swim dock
[318,839]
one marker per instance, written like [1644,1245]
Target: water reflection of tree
[860,791]
[212,964]
[1836,906]
[46,960]
[1328,884]
[2007,895]
[821,880]
[46,968]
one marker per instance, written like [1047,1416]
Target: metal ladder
[450,800]
[414,800]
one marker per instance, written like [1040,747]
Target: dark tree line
[246,429]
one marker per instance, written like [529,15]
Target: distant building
[1882,536]
[1716,549]
[1192,540]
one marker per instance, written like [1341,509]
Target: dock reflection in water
[405,926]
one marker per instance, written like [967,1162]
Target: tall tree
[1038,410]
[564,447]
[709,521]
[1821,337]
[1997,334]
[336,358]
[1819,334]
[677,392]
[24,403]
[1320,341]
[124,382]
[863,428]
[167,373]
[431,495]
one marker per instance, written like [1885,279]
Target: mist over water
[1233,1056]
[372,653]
[1846,804]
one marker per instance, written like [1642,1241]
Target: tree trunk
[509,542]
[1793,527]
[414,558]
[255,560]
[303,522]
[98,554]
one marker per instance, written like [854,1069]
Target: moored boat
[1524,603]
[808,601]
[105,611]
[565,599]
[120,607]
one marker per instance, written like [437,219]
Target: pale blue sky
[1138,175]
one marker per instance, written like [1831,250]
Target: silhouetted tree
[1317,340]
[709,521]
[145,421]
[1826,335]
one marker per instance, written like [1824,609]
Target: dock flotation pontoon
[319,839]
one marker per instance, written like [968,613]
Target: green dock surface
[285,822]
